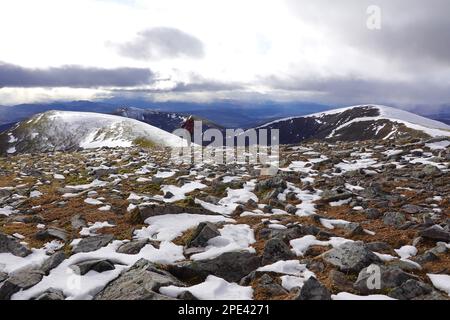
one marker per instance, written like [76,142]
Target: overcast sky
[201,50]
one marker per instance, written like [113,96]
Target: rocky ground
[128,224]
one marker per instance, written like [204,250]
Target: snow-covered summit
[65,130]
[360,122]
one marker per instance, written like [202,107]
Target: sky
[331,52]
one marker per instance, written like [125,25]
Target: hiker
[189,125]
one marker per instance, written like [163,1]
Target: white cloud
[246,42]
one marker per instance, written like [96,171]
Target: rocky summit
[340,220]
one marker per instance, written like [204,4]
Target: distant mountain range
[63,130]
[229,114]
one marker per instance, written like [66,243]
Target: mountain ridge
[69,130]
[359,122]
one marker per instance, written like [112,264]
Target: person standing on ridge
[188,124]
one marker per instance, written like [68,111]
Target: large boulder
[141,282]
[204,232]
[51,295]
[98,265]
[267,286]
[271,183]
[435,233]
[395,219]
[335,195]
[376,278]
[53,261]
[93,243]
[312,289]
[292,232]
[350,256]
[51,233]
[20,280]
[133,247]
[148,210]
[231,266]
[412,208]
[411,289]
[10,245]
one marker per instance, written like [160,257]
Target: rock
[93,243]
[335,195]
[271,183]
[440,248]
[98,265]
[169,195]
[268,287]
[373,213]
[11,245]
[412,209]
[353,229]
[379,247]
[292,232]
[276,250]
[238,210]
[145,211]
[434,295]
[410,289]
[78,222]
[315,266]
[35,218]
[5,193]
[395,219]
[51,295]
[291,196]
[20,280]
[426,257]
[204,232]
[406,265]
[339,281]
[430,170]
[55,260]
[132,247]
[376,278]
[312,289]
[435,233]
[141,282]
[51,233]
[231,266]
[290,209]
[187,296]
[3,276]
[99,173]
[350,256]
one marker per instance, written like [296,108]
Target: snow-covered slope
[64,130]
[357,123]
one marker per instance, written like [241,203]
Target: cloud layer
[162,43]
[72,76]
[319,51]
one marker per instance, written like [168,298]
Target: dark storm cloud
[72,76]
[413,43]
[414,33]
[357,90]
[161,43]
[206,86]
[196,84]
